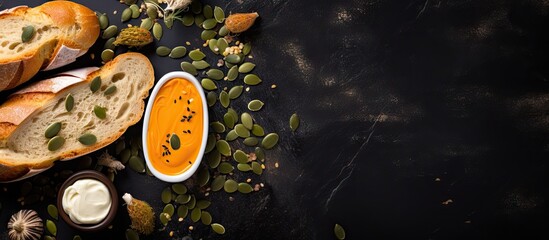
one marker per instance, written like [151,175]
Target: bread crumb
[180,219]
[248,180]
[276,164]
[114,12]
[437,179]
[447,202]
[188,43]
[191,228]
[273,86]
[171,233]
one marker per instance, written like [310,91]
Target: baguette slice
[63,31]
[26,115]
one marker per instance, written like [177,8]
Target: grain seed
[247,120]
[110,32]
[218,228]
[246,67]
[235,92]
[107,55]
[55,143]
[53,129]
[28,33]
[163,51]
[339,232]
[157,31]
[223,147]
[230,186]
[100,112]
[137,164]
[255,105]
[175,142]
[208,84]
[207,34]
[201,64]
[224,99]
[294,122]
[110,90]
[188,67]
[178,52]
[245,188]
[219,14]
[270,140]
[252,79]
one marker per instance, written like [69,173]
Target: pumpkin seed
[206,218]
[213,45]
[259,153]
[120,145]
[107,55]
[131,234]
[164,218]
[202,177]
[222,44]
[52,211]
[166,195]
[196,7]
[230,65]
[178,52]
[252,79]
[233,113]
[218,183]
[182,211]
[232,74]
[110,32]
[219,14]
[52,228]
[240,156]
[223,147]
[217,127]
[53,129]
[169,209]
[215,74]
[125,156]
[270,140]
[146,23]
[152,12]
[135,11]
[231,135]
[163,51]
[196,55]
[241,131]
[109,44]
[228,119]
[211,98]
[103,21]
[203,204]
[230,186]
[232,58]
[245,188]
[69,102]
[256,168]
[137,164]
[77,237]
[126,15]
[28,33]
[192,203]
[110,90]
[247,48]
[255,105]
[294,122]
[246,67]
[247,120]
[200,64]
[188,19]
[207,34]
[196,214]
[251,141]
[224,99]
[235,92]
[100,112]
[218,228]
[182,198]
[179,188]
[223,31]
[95,84]
[175,143]
[225,168]
[213,158]
[209,23]
[188,67]
[157,31]
[258,131]
[243,167]
[198,20]
[207,11]
[55,143]
[339,232]
[210,143]
[208,84]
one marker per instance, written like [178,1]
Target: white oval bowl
[189,172]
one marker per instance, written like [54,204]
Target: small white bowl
[189,172]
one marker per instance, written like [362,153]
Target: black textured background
[404,105]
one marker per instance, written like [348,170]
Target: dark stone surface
[405,105]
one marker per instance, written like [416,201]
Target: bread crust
[80,27]
[31,100]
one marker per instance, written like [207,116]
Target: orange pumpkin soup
[176,122]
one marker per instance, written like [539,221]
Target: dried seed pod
[141,214]
[25,224]
[240,22]
[134,37]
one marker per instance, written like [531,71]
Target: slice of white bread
[26,115]
[63,31]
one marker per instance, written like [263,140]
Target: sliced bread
[27,114]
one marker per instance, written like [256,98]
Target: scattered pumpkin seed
[231,135]
[125,156]
[192,203]
[294,122]
[52,211]
[208,84]
[270,140]
[213,158]
[163,51]
[188,19]
[126,15]
[256,168]
[178,52]
[182,198]
[339,232]
[207,11]
[120,146]
[103,21]
[246,67]
[203,177]
[169,209]
[110,32]
[198,20]
[217,127]
[209,23]
[225,168]
[100,112]
[69,102]
[146,23]
[131,234]
[135,11]
[224,99]
[232,74]
[196,214]
[222,44]
[201,64]
[243,167]
[107,55]
[230,186]
[233,58]
[206,218]
[223,31]
[52,228]
[175,142]
[218,228]
[240,156]
[259,153]
[210,143]
[212,44]
[207,34]
[233,113]
[258,131]
[137,164]
[95,84]
[55,143]
[241,131]
[157,31]
[188,67]
[110,90]
[247,120]
[196,55]
[196,7]
[164,218]
[247,48]
[251,141]
[235,91]
[28,33]
[244,188]
[152,12]
[53,129]
[228,119]
[211,98]
[219,14]
[203,204]
[218,183]
[182,211]
[255,105]
[109,44]
[77,237]
[230,65]
[215,74]
[252,79]
[179,188]
[166,195]
[223,147]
